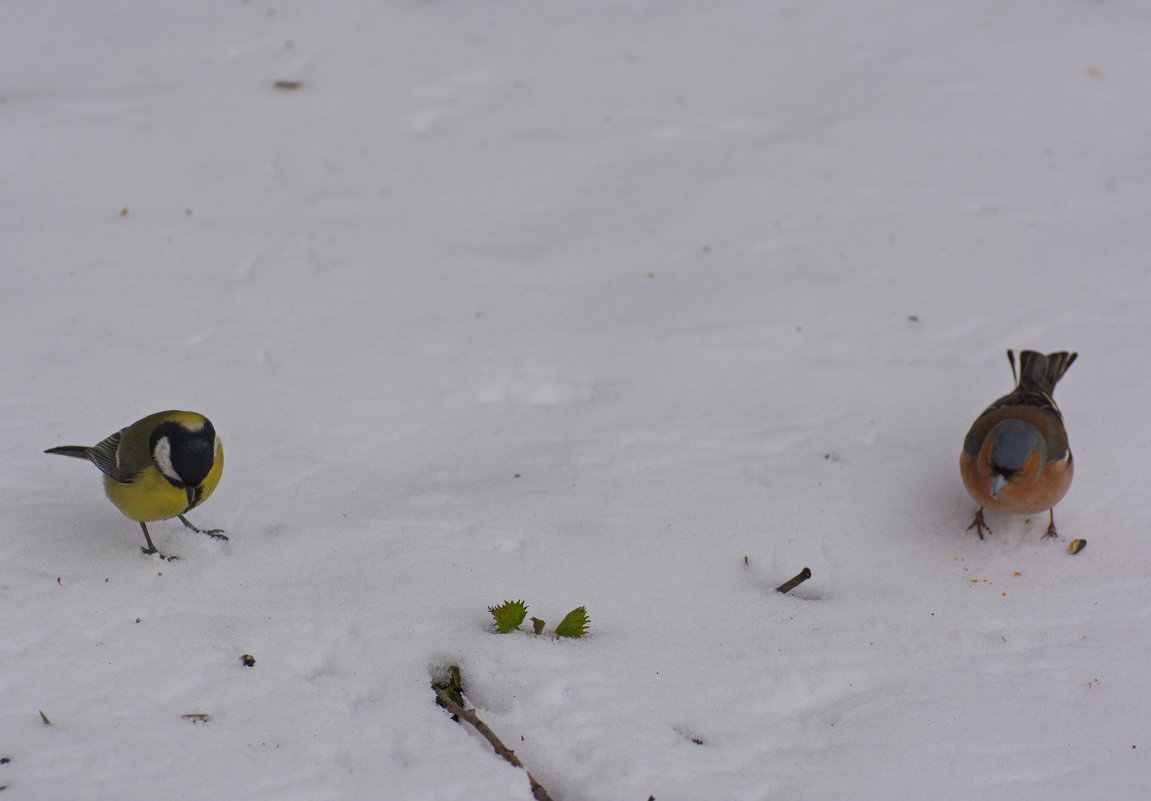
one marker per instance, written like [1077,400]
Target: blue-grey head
[1012,443]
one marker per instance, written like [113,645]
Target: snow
[578,303]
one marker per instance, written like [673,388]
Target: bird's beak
[997,484]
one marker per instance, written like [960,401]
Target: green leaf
[455,685]
[44,717]
[452,684]
[508,615]
[574,624]
[455,679]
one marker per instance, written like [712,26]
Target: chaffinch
[1016,458]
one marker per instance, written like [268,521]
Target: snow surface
[581,303]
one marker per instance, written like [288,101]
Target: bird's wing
[106,456]
[1027,397]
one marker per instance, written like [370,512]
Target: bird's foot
[1051,532]
[979,524]
[215,533]
[149,552]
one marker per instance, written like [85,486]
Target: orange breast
[1030,491]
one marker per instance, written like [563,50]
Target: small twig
[442,698]
[792,583]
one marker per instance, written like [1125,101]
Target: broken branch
[442,698]
[794,582]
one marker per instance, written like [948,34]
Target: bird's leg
[216,533]
[978,524]
[151,549]
[1051,532]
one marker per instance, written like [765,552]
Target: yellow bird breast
[150,496]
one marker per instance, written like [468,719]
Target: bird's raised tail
[76,451]
[1039,372]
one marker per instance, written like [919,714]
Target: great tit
[159,467]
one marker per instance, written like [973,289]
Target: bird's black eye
[190,453]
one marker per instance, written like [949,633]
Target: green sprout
[574,624]
[508,615]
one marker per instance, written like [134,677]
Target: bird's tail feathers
[1040,372]
[76,451]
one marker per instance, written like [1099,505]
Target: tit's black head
[184,455]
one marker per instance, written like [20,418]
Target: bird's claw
[150,552]
[217,533]
[979,524]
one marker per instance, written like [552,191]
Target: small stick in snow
[792,583]
[442,698]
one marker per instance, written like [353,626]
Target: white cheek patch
[162,456]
